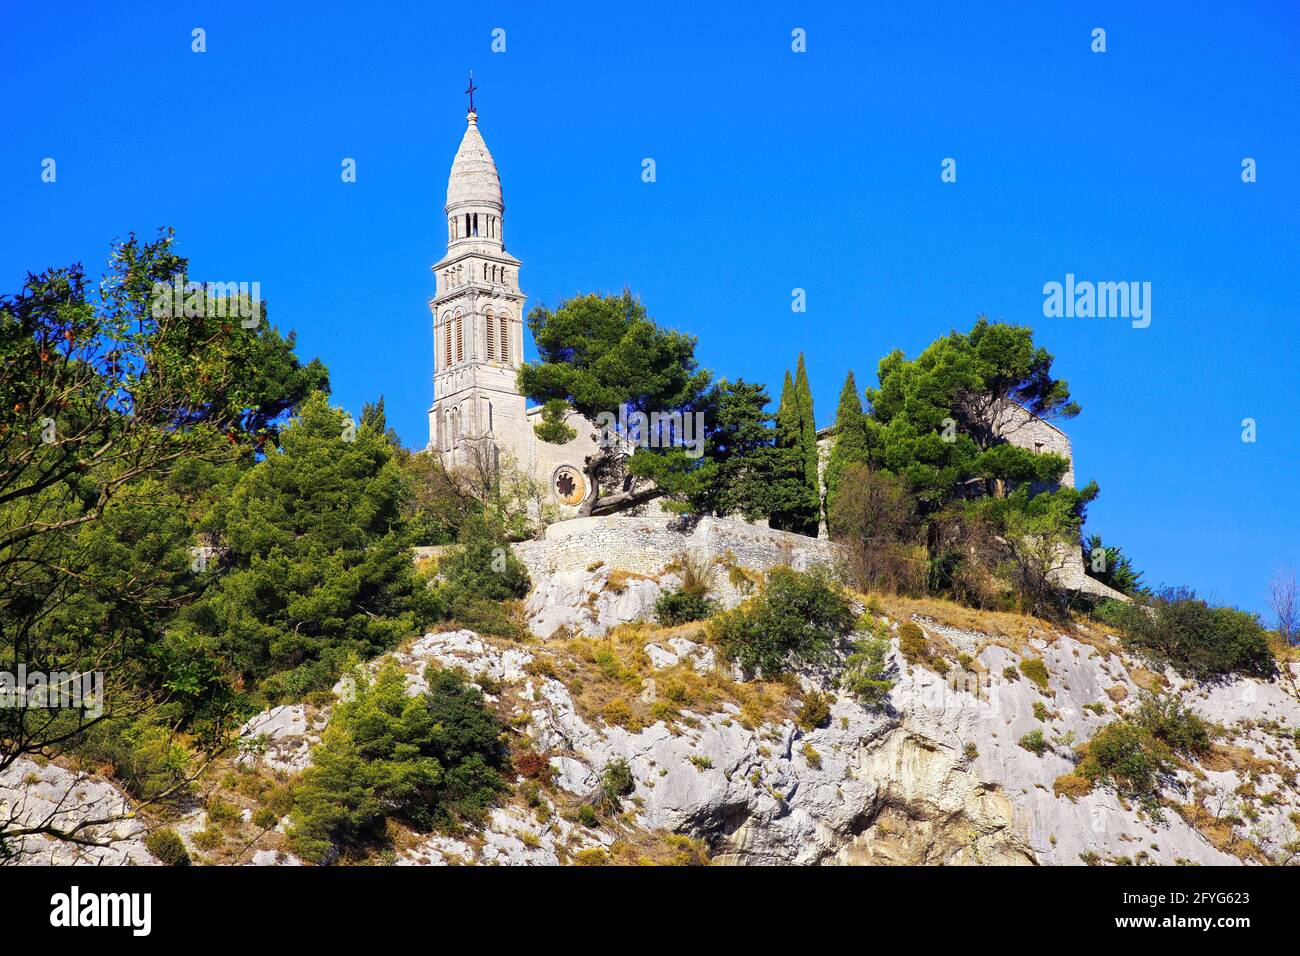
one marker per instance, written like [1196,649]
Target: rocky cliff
[725,769]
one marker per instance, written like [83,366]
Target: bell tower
[477,312]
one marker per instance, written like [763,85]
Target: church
[478,333]
[480,418]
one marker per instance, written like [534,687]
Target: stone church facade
[478,328]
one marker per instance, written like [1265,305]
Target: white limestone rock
[281,738]
[32,795]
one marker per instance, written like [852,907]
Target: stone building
[478,328]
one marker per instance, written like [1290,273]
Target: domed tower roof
[474,180]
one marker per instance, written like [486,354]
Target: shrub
[148,758]
[865,669]
[811,755]
[1071,785]
[265,819]
[1138,755]
[168,847]
[432,759]
[875,519]
[1036,670]
[588,816]
[532,765]
[796,616]
[1124,756]
[1181,729]
[480,573]
[680,607]
[1034,742]
[617,781]
[1198,640]
[970,751]
[1010,673]
[912,643]
[814,712]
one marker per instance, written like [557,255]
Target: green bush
[148,757]
[814,711]
[1197,640]
[1034,742]
[168,847]
[865,669]
[680,607]
[1137,755]
[1036,670]
[911,641]
[795,617]
[433,760]
[617,781]
[480,573]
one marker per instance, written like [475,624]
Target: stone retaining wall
[645,545]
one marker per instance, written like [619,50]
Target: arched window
[446,337]
[460,339]
[475,232]
[491,337]
[505,338]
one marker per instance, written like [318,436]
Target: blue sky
[775,170]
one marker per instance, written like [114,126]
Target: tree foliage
[600,354]
[849,446]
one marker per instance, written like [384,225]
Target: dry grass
[1241,760]
[1148,680]
[1017,628]
[611,678]
[1072,785]
[1220,833]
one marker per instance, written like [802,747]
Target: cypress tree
[795,435]
[807,428]
[850,443]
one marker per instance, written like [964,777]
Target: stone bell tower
[477,314]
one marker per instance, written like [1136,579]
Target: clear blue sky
[775,171]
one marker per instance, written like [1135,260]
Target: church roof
[474,176]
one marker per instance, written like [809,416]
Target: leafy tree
[1199,641]
[317,564]
[1112,567]
[429,759]
[849,445]
[598,354]
[105,395]
[796,437]
[795,618]
[939,421]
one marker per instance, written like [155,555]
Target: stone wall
[645,545]
[1024,430]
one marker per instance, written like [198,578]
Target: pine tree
[317,565]
[850,443]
